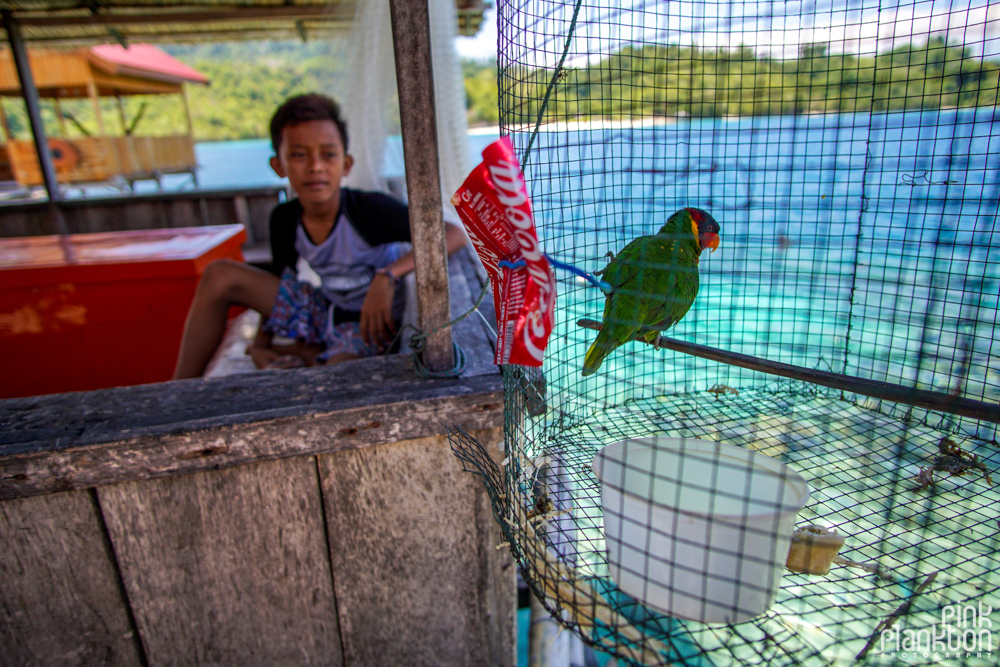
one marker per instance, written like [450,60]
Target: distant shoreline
[660,121]
[598,124]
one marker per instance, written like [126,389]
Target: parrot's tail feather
[601,348]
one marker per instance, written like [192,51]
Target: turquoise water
[854,243]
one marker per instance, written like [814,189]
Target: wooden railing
[96,159]
[141,156]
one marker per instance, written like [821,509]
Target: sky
[484,44]
[852,26]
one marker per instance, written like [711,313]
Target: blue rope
[600,284]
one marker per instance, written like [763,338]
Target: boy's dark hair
[302,108]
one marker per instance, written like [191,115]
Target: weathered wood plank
[86,439]
[62,421]
[61,602]
[228,567]
[183,213]
[418,578]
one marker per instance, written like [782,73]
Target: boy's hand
[377,326]
[262,356]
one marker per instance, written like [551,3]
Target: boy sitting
[349,238]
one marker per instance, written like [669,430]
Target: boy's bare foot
[286,361]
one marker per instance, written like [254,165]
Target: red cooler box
[88,311]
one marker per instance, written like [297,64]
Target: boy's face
[312,157]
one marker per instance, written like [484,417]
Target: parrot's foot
[656,343]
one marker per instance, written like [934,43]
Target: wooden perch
[932,400]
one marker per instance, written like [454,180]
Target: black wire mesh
[849,152]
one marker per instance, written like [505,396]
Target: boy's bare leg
[225,283]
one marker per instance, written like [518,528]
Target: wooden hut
[107,70]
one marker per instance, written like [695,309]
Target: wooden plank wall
[227,567]
[61,599]
[396,554]
[175,209]
[367,556]
[314,516]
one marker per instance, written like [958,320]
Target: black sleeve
[284,220]
[377,217]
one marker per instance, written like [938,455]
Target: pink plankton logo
[965,631]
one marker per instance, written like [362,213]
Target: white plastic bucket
[697,529]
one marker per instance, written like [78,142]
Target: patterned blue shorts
[303,313]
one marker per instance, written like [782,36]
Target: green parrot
[653,282]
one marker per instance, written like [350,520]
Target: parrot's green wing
[654,281]
[671,291]
[654,285]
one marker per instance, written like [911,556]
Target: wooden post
[96,101]
[31,103]
[60,117]
[242,210]
[4,123]
[415,82]
[134,163]
[190,129]
[109,145]
[121,114]
[187,111]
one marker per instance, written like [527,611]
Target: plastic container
[697,529]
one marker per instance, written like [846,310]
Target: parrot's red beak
[709,240]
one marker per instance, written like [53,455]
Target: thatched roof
[98,21]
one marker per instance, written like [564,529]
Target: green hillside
[673,81]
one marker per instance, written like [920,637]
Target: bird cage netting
[834,387]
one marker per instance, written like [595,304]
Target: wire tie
[416,343]
[589,277]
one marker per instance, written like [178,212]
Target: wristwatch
[384,271]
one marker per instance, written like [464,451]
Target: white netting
[370,100]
